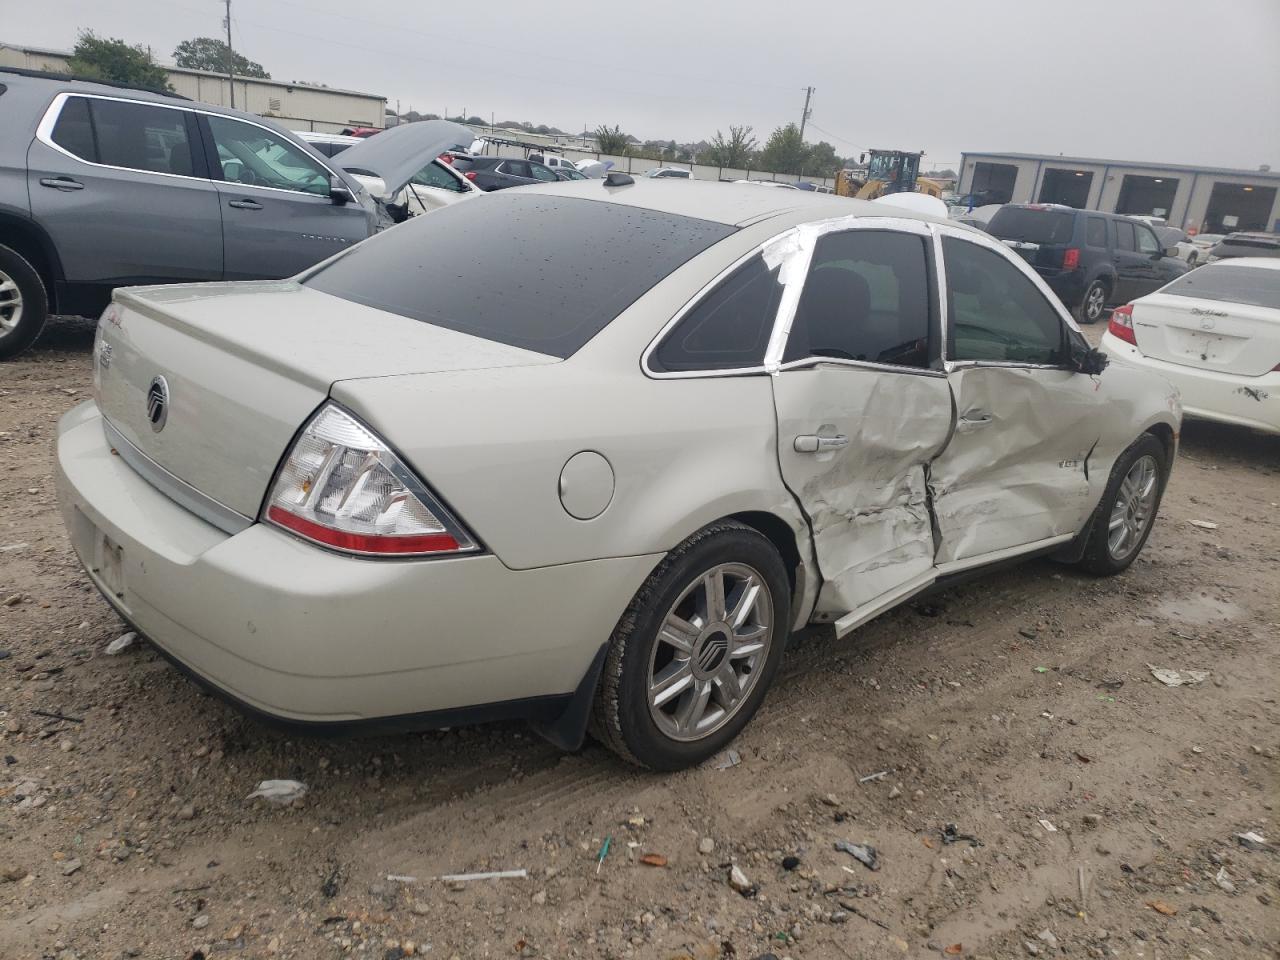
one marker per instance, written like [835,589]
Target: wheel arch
[796,553]
[32,243]
[1168,439]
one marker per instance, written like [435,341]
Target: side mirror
[1092,362]
[339,192]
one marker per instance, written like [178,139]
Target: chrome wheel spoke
[675,679]
[713,603]
[679,633]
[692,709]
[1134,508]
[727,687]
[749,641]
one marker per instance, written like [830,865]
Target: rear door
[276,213]
[863,406]
[1135,270]
[515,172]
[1015,473]
[123,195]
[1223,317]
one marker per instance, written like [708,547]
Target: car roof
[728,203]
[1267,263]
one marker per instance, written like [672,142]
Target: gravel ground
[1102,806]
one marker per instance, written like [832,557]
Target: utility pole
[231,56]
[804,115]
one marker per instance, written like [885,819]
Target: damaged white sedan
[437,479]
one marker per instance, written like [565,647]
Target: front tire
[694,653]
[24,305]
[1128,509]
[1094,303]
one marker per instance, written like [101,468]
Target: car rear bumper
[304,635]
[1209,395]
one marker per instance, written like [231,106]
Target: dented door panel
[866,499]
[1017,469]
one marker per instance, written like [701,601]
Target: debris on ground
[1048,827]
[1159,906]
[873,777]
[520,874]
[653,860]
[1253,841]
[1203,524]
[951,834]
[864,853]
[1175,678]
[280,792]
[738,880]
[790,863]
[725,759]
[121,643]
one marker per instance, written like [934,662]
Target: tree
[734,152]
[212,54]
[822,161]
[784,151]
[612,140]
[109,59]
[477,121]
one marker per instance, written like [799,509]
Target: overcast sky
[1189,81]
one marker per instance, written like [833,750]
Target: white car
[435,185]
[588,453]
[670,173]
[1214,333]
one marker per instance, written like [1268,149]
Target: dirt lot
[1020,708]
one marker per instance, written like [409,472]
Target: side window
[729,328]
[73,132]
[995,312]
[432,176]
[1097,233]
[257,157]
[141,137]
[1125,239]
[866,298]
[543,173]
[1147,242]
[517,168]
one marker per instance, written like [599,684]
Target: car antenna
[615,179]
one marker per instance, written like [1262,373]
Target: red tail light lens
[1121,325]
[1070,258]
[342,487]
[470,174]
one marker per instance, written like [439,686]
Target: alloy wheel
[710,651]
[10,304]
[1095,301]
[1134,508]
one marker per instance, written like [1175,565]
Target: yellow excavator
[888,171]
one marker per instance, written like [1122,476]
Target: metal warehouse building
[298,106]
[1207,199]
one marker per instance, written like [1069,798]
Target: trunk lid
[245,364]
[1235,338]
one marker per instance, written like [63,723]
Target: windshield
[532,271]
[1032,226]
[1230,283]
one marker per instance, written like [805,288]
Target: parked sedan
[436,479]
[498,173]
[1215,335]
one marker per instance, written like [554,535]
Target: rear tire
[680,679]
[1127,511]
[1094,303]
[24,305]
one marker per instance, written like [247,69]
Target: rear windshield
[539,272]
[1256,286]
[1032,226]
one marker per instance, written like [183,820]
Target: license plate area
[108,565]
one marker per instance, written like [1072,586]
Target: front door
[122,194]
[277,218]
[1016,470]
[863,406]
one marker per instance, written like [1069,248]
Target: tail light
[1121,325]
[342,487]
[1070,258]
[470,174]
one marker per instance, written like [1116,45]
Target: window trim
[940,231]
[44,133]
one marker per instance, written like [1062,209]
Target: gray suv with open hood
[103,186]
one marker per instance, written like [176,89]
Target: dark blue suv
[1091,260]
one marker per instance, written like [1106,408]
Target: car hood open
[395,155]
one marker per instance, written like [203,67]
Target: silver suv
[103,186]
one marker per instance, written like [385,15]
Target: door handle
[974,420]
[61,183]
[811,443]
[244,204]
